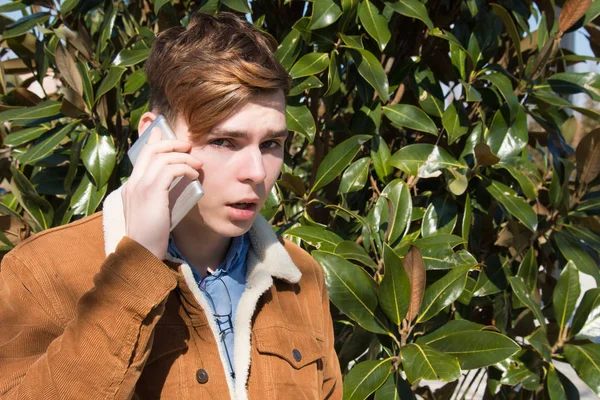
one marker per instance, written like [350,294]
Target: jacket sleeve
[332,375]
[101,352]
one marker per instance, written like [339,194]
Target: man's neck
[204,249]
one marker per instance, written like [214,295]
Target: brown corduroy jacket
[87,313]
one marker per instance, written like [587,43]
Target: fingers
[155,150]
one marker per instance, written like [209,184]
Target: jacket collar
[266,247]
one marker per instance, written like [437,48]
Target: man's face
[242,158]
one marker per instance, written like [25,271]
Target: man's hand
[146,194]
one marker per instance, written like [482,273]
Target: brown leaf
[415,269]
[72,103]
[292,183]
[571,12]
[68,69]
[588,157]
[25,97]
[484,155]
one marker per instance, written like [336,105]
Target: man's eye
[271,144]
[220,142]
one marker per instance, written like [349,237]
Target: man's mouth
[242,206]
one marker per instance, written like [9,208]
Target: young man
[115,306]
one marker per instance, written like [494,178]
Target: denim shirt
[223,289]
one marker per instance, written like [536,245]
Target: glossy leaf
[455,122]
[325,13]
[528,270]
[565,294]
[415,269]
[585,360]
[394,289]
[42,110]
[573,251]
[309,83]
[515,205]
[45,147]
[87,197]
[539,341]
[351,290]
[88,90]
[299,119]
[24,24]
[365,378]
[352,251]
[380,154]
[371,70]
[443,292]
[374,23]
[334,81]
[337,160]
[475,349]
[110,81]
[467,219]
[352,41]
[310,64]
[411,117]
[288,50]
[413,9]
[395,388]
[527,186]
[315,236]
[448,329]
[556,391]
[588,157]
[586,322]
[158,4]
[423,159]
[238,5]
[399,209]
[135,81]
[355,176]
[23,136]
[129,57]
[440,217]
[99,157]
[507,139]
[571,11]
[424,362]
[509,24]
[520,290]
[68,69]
[36,206]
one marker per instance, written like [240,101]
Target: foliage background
[453,225]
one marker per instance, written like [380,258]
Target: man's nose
[252,167]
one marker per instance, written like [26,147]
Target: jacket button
[202,376]
[297,355]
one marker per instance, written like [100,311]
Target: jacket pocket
[291,360]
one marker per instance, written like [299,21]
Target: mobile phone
[184,193]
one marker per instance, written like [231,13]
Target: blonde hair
[206,71]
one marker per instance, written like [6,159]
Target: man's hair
[206,71]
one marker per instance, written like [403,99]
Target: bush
[432,171]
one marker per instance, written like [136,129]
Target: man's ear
[146,119]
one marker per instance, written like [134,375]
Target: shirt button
[297,355]
[202,376]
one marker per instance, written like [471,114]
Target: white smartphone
[184,193]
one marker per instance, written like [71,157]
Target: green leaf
[424,362]
[16,5]
[374,23]
[238,5]
[111,80]
[23,136]
[380,154]
[129,57]
[355,176]
[337,160]
[310,64]
[134,81]
[299,119]
[307,84]
[352,251]
[395,388]
[352,41]
[365,378]
[21,26]
[351,290]
[440,217]
[371,70]
[508,139]
[528,270]
[573,251]
[539,341]
[412,9]
[36,206]
[158,4]
[423,159]
[565,294]
[325,13]
[394,289]
[442,292]
[556,391]
[515,205]
[42,110]
[520,290]
[106,29]
[518,373]
[455,121]
[467,219]
[288,50]
[399,208]
[586,361]
[45,147]
[99,157]
[475,349]
[574,82]
[407,116]
[87,197]
[509,24]
[586,322]
[527,186]
[315,236]
[334,80]
[427,89]
[88,90]
[459,61]
[450,328]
